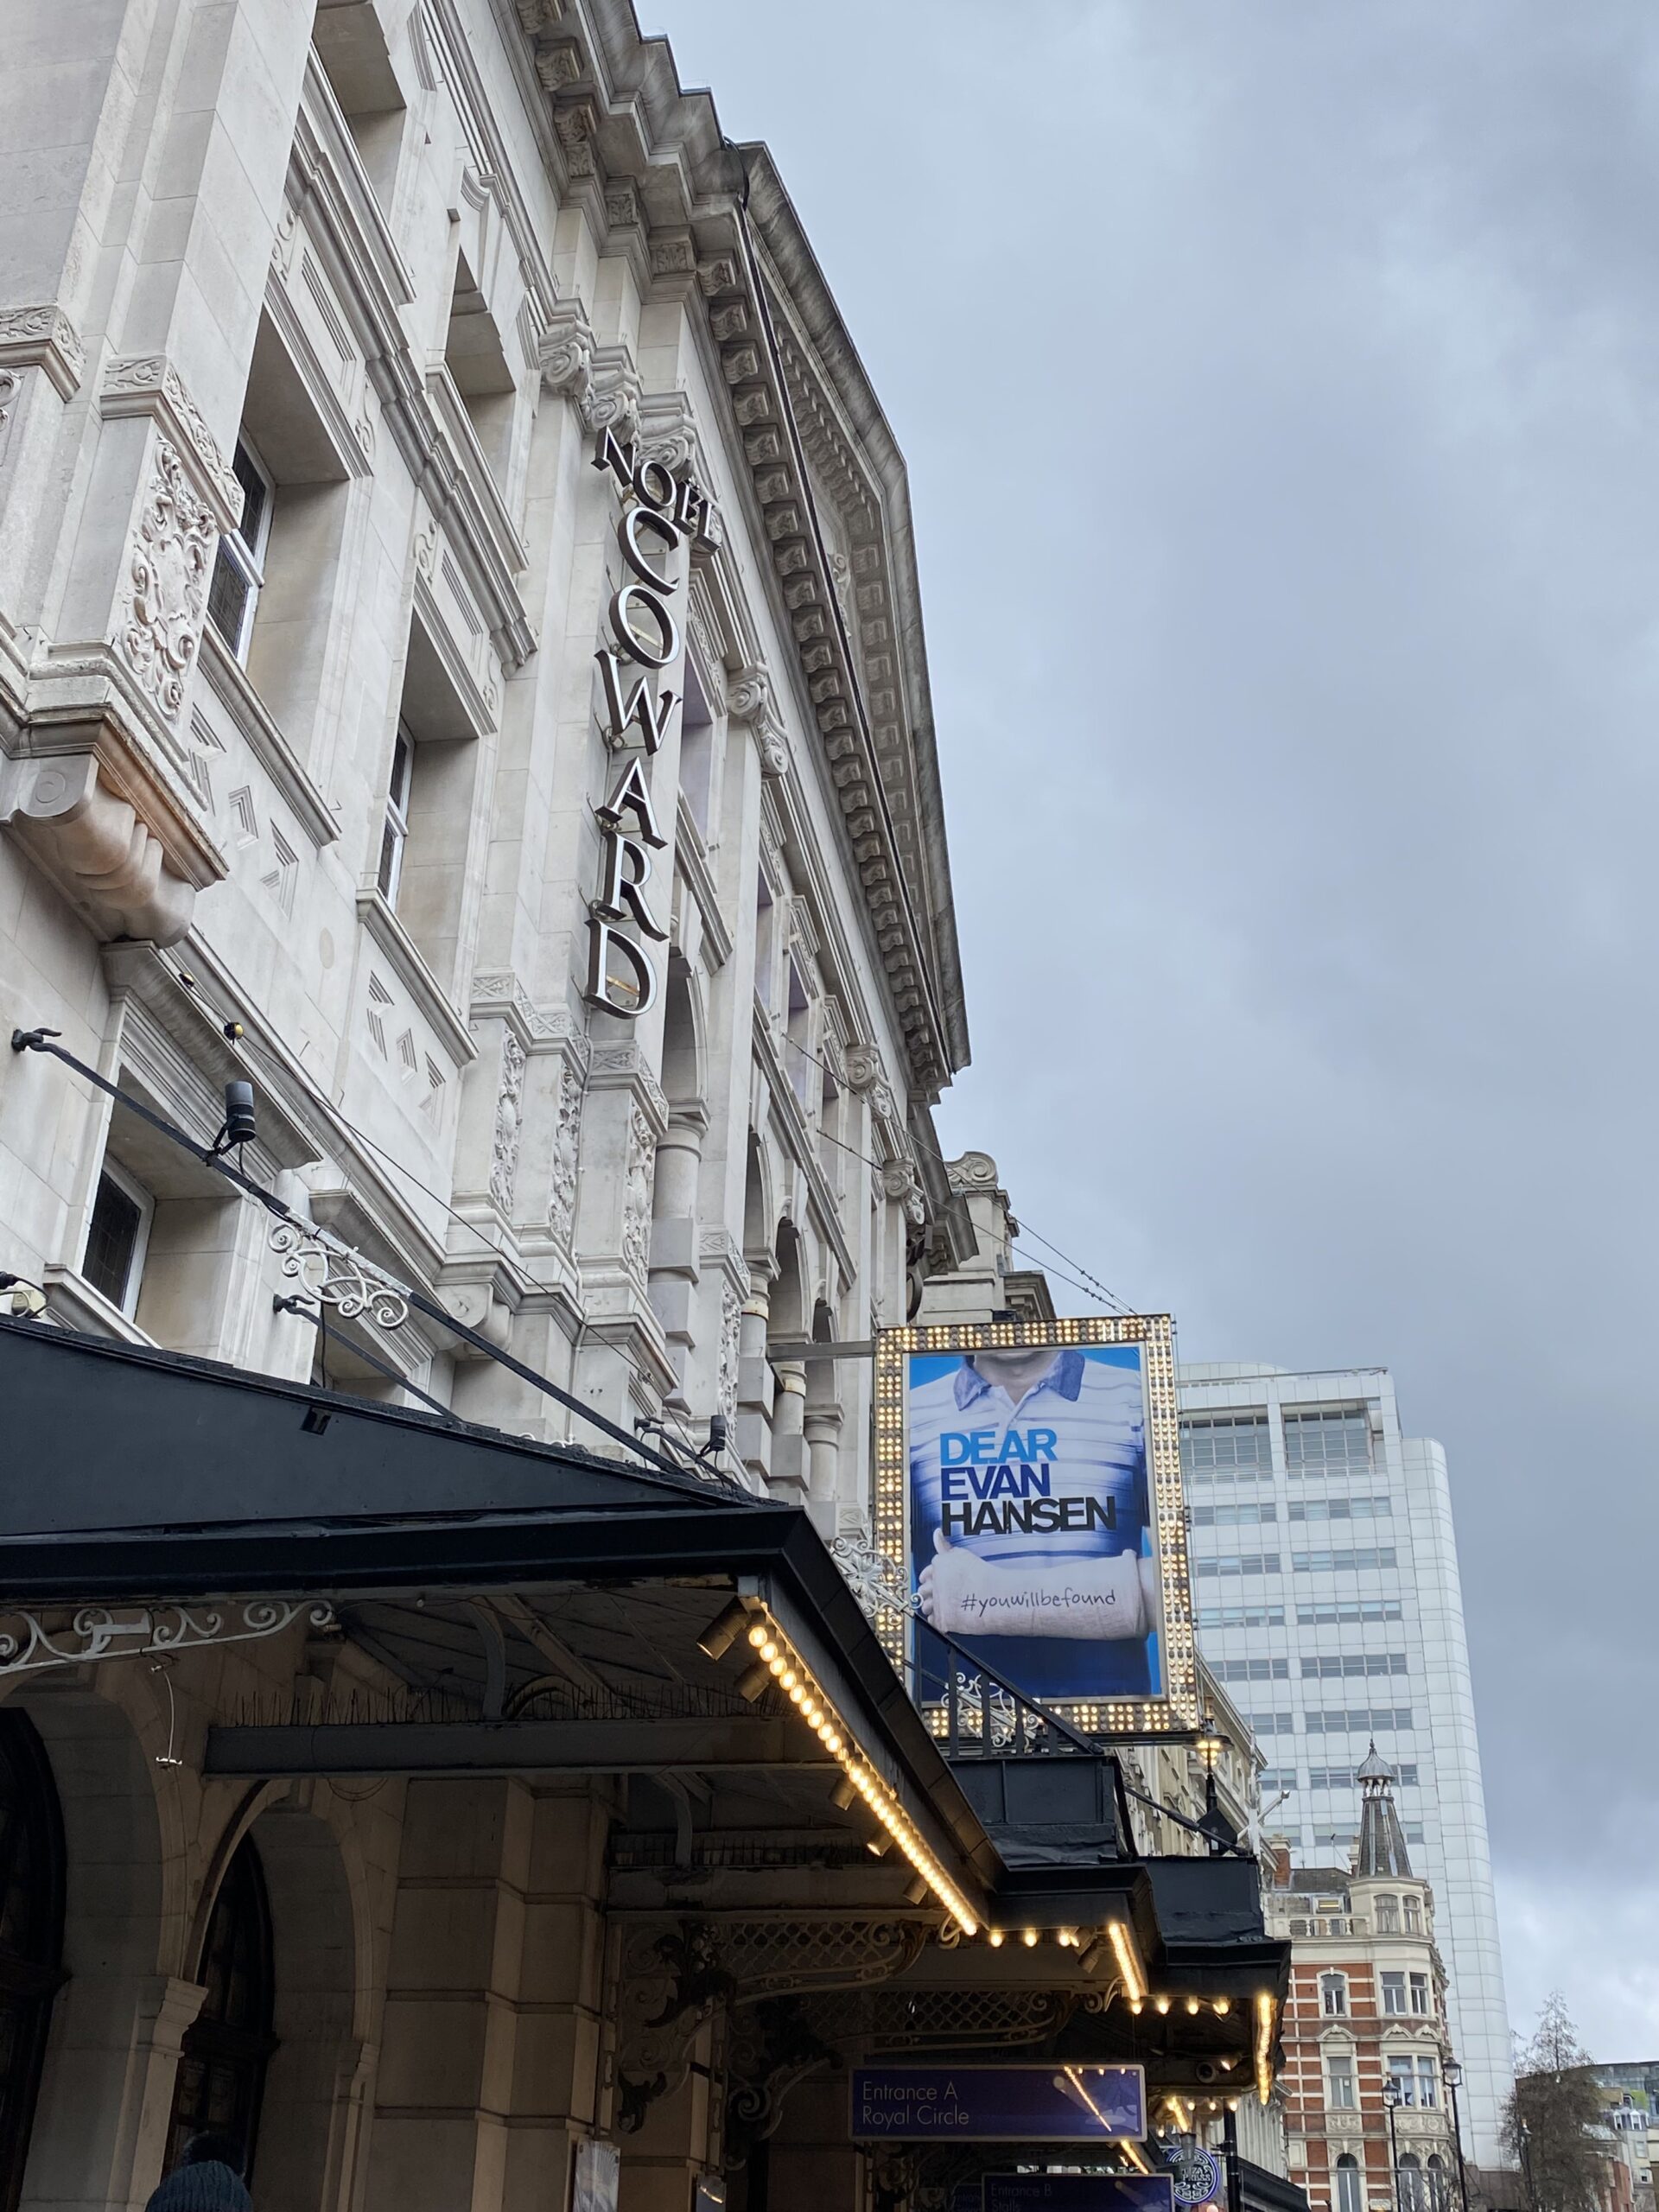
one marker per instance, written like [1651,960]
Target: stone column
[787,1475]
[675,1248]
[754,1383]
[823,1429]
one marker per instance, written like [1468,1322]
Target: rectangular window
[1428,2086]
[1330,1665]
[1220,1445]
[1342,1616]
[1401,2074]
[394,836]
[1339,1720]
[1342,1777]
[1394,1994]
[1334,1439]
[1343,1563]
[116,1235]
[1277,1778]
[1218,1617]
[1341,2069]
[1254,1515]
[1341,1509]
[1250,1670]
[1237,1563]
[1334,1995]
[1272,1724]
[1419,1994]
[239,566]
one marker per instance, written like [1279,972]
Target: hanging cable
[41,1040]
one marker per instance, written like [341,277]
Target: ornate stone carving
[974,1171]
[636,1196]
[731,1328]
[750,698]
[576,121]
[148,384]
[674,256]
[164,598]
[670,1982]
[612,399]
[10,383]
[567,1144]
[899,1181]
[622,205]
[504,1158]
[560,63]
[112,862]
[43,338]
[567,351]
[866,1075]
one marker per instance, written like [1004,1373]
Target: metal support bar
[743,1744]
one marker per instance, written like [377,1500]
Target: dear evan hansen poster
[1031,1539]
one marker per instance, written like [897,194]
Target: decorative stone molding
[567,346]
[509,1115]
[575,122]
[750,698]
[503,995]
[105,847]
[567,1150]
[900,1182]
[560,63]
[636,1196]
[731,1330]
[148,385]
[622,208]
[624,1067]
[163,597]
[612,400]
[43,338]
[540,16]
[866,1075]
[974,1171]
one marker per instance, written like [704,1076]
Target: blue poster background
[1078,2193]
[981,1454]
[1009,2104]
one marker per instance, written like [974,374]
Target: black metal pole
[1230,2147]
[1394,2155]
[1457,2138]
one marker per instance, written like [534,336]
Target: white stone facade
[412,261]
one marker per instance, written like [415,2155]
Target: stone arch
[760,1213]
[100,2121]
[314,2085]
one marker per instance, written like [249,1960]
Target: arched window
[1411,2183]
[1439,2198]
[1350,2196]
[1413,1915]
[227,2047]
[1388,1916]
[31,1935]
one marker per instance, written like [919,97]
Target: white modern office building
[1329,1602]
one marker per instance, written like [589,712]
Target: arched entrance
[227,2048]
[31,1935]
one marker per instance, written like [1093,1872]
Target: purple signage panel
[1078,2193]
[1007,2104]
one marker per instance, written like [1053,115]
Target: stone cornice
[43,338]
[148,385]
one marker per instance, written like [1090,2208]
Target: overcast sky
[1279,384]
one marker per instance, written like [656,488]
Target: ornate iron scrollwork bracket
[96,1633]
[334,1274]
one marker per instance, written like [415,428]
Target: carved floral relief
[164,598]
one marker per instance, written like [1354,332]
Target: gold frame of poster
[1177,1708]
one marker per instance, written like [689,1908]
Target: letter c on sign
[667,630]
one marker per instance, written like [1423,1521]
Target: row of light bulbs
[774,1659]
[782,1664]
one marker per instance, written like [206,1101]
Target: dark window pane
[227,598]
[112,1240]
[253,495]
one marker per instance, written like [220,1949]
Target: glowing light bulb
[757,1638]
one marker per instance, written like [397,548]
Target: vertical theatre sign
[661,513]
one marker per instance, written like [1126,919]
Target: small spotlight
[915,1891]
[844,1795]
[722,1632]
[753,1681]
[241,1125]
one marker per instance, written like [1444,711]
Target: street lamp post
[1454,2073]
[1391,2098]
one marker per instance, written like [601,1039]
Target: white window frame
[248,558]
[127,1183]
[1391,1986]
[396,816]
[1333,1985]
[1339,2067]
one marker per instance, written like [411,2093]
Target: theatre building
[477,945]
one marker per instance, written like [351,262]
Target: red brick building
[1368,2104]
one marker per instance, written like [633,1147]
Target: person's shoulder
[1104,1378]
[938,1396]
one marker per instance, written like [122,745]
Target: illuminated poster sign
[999,2104]
[1029,1481]
[661,514]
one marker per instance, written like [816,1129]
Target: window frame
[1333,1984]
[246,557]
[1342,2085]
[1390,1986]
[128,1184]
[1350,2194]
[394,824]
[1418,1985]
[1402,2072]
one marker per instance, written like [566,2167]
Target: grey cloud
[1277,382]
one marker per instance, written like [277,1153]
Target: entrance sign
[1077,2193]
[1194,2172]
[1001,2104]
[1028,1485]
[661,513]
